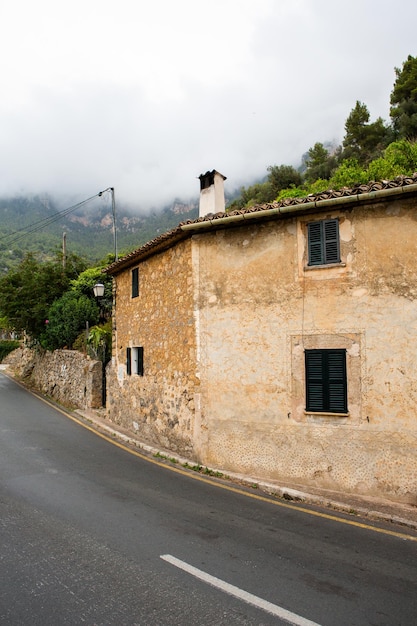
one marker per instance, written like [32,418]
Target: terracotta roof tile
[167,239]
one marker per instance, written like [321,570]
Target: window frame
[323,242]
[326,381]
[134,361]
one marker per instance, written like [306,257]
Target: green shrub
[67,317]
[6,347]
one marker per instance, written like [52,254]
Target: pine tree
[404,100]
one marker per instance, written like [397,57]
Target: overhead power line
[19,234]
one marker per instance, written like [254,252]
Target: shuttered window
[326,385]
[323,242]
[134,361]
[135,282]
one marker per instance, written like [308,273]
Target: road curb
[350,505]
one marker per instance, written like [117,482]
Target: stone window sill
[324,414]
[308,268]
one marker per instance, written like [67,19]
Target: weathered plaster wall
[158,406]
[67,376]
[258,307]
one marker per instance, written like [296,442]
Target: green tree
[84,283]
[283,177]
[348,174]
[363,140]
[293,192]
[400,158]
[77,309]
[5,327]
[259,193]
[27,292]
[66,317]
[403,109]
[320,163]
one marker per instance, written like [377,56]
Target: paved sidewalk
[359,506]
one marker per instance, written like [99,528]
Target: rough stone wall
[67,376]
[224,319]
[258,307]
[158,406]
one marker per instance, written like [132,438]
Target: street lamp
[98,290]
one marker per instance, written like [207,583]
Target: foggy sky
[145,96]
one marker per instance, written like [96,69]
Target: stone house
[278,341]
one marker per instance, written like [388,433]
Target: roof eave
[294,206]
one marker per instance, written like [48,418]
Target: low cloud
[146,100]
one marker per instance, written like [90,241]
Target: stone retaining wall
[67,376]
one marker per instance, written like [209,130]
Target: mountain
[37,224]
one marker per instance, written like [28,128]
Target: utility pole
[113,209]
[64,251]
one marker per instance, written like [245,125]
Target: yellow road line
[254,496]
[195,476]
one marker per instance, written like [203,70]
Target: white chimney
[211,193]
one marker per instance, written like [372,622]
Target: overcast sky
[144,96]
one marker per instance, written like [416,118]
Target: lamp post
[98,290]
[113,208]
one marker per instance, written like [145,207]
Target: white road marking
[287,616]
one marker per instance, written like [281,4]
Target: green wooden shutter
[315,244]
[315,380]
[128,361]
[140,361]
[337,387]
[326,385]
[323,242]
[135,282]
[331,241]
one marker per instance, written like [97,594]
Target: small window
[135,282]
[326,385]
[134,361]
[137,361]
[323,242]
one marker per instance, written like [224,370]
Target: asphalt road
[93,534]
